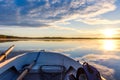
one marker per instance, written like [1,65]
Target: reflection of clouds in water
[96,60]
[96,57]
[66,54]
[105,71]
[66,50]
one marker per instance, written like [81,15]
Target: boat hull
[47,62]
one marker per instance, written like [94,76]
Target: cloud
[94,57]
[66,50]
[101,62]
[38,13]
[106,72]
[97,21]
[66,28]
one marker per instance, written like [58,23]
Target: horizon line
[51,37]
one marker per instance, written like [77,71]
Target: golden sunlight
[109,45]
[109,33]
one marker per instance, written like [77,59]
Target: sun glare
[109,45]
[109,33]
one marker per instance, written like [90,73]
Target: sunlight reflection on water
[109,45]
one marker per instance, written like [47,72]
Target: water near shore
[103,54]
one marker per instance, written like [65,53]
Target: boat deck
[46,72]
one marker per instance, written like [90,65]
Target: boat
[45,65]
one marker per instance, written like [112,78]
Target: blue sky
[67,18]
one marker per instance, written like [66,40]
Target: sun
[109,33]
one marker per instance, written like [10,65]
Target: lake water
[103,54]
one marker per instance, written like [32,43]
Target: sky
[60,18]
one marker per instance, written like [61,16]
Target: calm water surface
[103,54]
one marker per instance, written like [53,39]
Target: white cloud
[97,21]
[44,12]
[55,1]
[97,9]
[66,28]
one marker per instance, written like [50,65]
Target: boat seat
[52,72]
[52,68]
